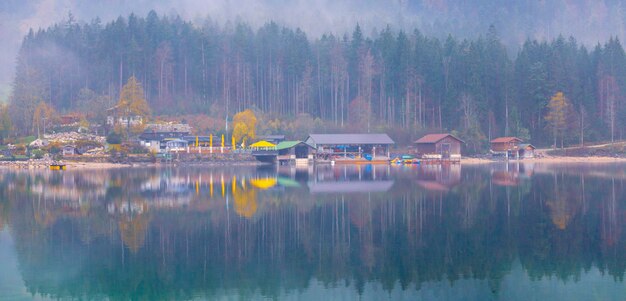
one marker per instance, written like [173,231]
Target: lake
[483,232]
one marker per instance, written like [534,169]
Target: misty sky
[590,21]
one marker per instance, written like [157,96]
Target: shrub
[114,138]
[37,154]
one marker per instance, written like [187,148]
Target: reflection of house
[376,145]
[511,174]
[439,177]
[512,147]
[350,186]
[439,146]
[505,178]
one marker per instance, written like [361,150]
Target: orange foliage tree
[244,125]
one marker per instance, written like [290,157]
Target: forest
[396,81]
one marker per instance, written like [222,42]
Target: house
[176,145]
[203,141]
[295,149]
[299,151]
[504,144]
[512,147]
[439,146]
[155,135]
[526,151]
[69,150]
[115,117]
[374,145]
[69,119]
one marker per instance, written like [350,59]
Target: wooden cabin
[512,147]
[526,151]
[439,146]
[295,151]
[504,144]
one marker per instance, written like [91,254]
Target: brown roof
[505,139]
[434,138]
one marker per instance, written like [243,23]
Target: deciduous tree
[132,101]
[559,116]
[244,125]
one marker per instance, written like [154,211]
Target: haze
[589,21]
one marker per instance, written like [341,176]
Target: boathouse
[372,146]
[505,144]
[297,151]
[512,147]
[439,147]
[526,151]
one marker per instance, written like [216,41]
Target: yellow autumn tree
[558,116]
[244,125]
[6,124]
[133,231]
[132,101]
[245,202]
[43,116]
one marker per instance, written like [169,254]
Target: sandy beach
[550,159]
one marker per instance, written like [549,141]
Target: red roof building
[502,144]
[439,144]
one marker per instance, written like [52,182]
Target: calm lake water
[492,232]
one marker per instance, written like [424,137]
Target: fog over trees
[494,75]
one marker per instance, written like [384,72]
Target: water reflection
[195,232]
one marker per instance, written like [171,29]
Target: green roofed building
[294,150]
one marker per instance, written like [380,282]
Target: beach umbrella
[262,143]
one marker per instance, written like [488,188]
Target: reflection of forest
[176,233]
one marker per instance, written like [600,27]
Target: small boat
[57,167]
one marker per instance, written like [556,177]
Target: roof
[176,141]
[505,139]
[525,145]
[200,138]
[341,139]
[262,143]
[147,136]
[434,138]
[289,144]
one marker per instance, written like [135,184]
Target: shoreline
[550,159]
[78,165]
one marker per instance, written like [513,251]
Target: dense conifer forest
[402,82]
